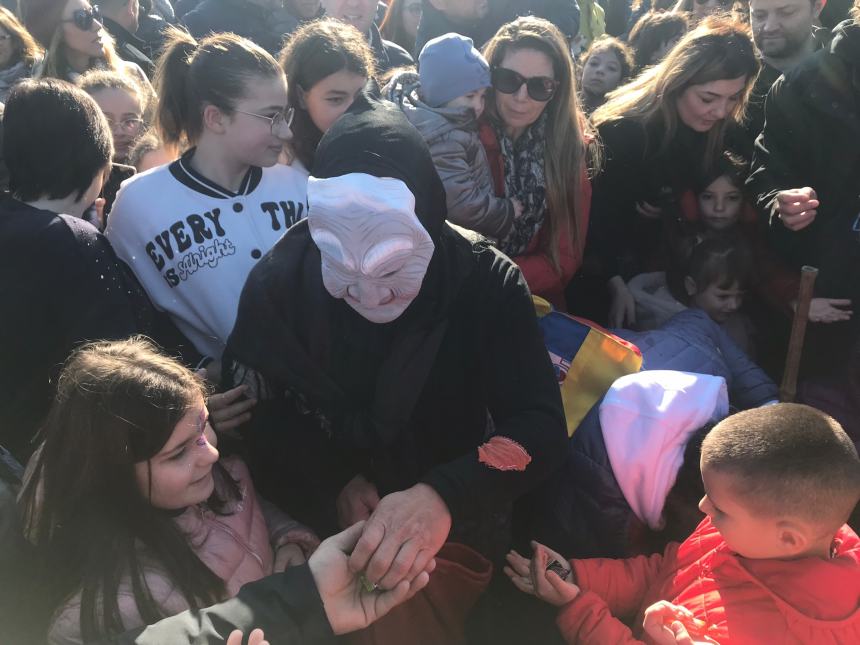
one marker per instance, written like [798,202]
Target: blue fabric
[449,66]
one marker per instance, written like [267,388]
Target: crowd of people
[276,276]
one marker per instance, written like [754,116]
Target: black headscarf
[363,379]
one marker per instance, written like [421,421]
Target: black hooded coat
[404,402]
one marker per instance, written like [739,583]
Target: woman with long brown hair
[400,24]
[537,142]
[18,52]
[658,132]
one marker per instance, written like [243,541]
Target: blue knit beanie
[449,66]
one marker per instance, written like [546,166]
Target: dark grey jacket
[452,136]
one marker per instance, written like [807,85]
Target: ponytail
[191,75]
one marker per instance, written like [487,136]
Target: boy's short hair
[789,460]
[56,140]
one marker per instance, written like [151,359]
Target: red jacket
[811,601]
[540,274]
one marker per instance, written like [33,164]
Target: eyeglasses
[85,18]
[284,117]
[129,126]
[540,88]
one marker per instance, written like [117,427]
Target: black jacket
[811,137]
[60,285]
[130,47]
[620,241]
[286,606]
[265,27]
[388,54]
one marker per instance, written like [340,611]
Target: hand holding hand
[405,532]
[347,604]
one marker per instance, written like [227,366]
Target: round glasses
[539,88]
[284,117]
[85,18]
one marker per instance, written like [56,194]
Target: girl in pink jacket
[132,513]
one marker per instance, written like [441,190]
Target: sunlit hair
[24,47]
[567,151]
[56,63]
[718,49]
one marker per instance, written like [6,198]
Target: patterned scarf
[524,180]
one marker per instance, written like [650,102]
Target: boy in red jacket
[773,561]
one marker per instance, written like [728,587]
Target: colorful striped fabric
[587,359]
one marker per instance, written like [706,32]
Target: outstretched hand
[532,576]
[348,605]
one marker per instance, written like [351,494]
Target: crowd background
[308,232]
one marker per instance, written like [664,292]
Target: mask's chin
[380,315]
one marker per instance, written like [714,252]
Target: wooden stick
[788,388]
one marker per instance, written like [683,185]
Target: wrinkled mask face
[374,251]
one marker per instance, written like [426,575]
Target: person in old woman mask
[401,372]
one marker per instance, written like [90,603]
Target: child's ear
[214,119]
[793,538]
[690,286]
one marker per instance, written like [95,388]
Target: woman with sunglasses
[19,53]
[74,38]
[192,230]
[538,145]
[659,133]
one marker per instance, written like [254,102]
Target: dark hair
[56,140]
[392,25]
[723,258]
[652,30]
[117,404]
[315,51]
[190,75]
[25,48]
[788,460]
[728,165]
[618,47]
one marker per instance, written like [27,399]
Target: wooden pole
[788,388]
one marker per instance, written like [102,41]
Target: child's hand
[288,555]
[669,624]
[518,207]
[531,576]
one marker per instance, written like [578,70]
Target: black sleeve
[523,399]
[286,606]
[97,302]
[618,185]
[780,150]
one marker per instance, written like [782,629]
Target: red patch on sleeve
[502,453]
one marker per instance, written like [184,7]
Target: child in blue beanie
[444,101]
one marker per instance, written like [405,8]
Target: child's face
[330,97]
[746,533]
[124,115]
[601,73]
[250,139]
[182,470]
[714,300]
[720,204]
[474,100]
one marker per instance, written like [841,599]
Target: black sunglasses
[507,81]
[84,18]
